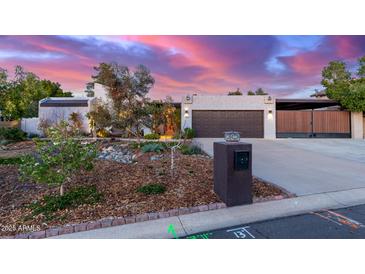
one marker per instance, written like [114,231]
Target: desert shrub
[152,136]
[152,189]
[81,195]
[12,134]
[153,147]
[10,161]
[189,133]
[190,150]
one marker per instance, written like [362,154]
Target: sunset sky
[285,66]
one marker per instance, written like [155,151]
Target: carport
[311,118]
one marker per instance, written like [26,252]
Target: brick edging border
[113,221]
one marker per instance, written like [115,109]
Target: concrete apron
[209,220]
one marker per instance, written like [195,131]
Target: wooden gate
[311,124]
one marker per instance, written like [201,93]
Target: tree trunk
[61,189]
[172,162]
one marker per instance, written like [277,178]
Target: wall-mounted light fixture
[186,113]
[269,115]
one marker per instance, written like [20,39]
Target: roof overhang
[64,102]
[296,104]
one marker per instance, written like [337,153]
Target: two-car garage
[264,117]
[213,123]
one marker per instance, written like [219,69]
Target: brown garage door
[213,123]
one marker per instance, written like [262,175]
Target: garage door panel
[213,123]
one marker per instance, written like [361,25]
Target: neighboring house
[55,109]
[269,118]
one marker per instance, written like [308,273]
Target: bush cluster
[189,133]
[153,147]
[12,134]
[77,196]
[10,161]
[152,136]
[190,150]
[152,189]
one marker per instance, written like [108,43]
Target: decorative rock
[173,212]
[152,216]
[106,222]
[118,221]
[156,157]
[194,209]
[163,214]
[22,236]
[142,217]
[80,227]
[221,205]
[203,208]
[183,210]
[119,154]
[130,219]
[93,225]
[66,229]
[38,235]
[52,232]
[212,206]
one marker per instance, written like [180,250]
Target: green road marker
[171,230]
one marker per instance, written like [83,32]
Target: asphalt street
[346,223]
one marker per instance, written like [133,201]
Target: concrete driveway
[306,166]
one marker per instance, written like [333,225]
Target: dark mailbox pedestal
[233,172]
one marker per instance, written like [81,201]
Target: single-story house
[269,118]
[54,109]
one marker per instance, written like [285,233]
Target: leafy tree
[250,92]
[20,95]
[343,87]
[361,70]
[236,92]
[57,160]
[99,116]
[127,91]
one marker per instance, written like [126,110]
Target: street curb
[114,221]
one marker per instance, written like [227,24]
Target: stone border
[113,221]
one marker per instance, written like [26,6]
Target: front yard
[116,187]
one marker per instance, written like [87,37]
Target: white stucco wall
[225,102]
[56,114]
[101,92]
[357,125]
[30,125]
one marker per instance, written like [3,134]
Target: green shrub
[12,134]
[190,150]
[10,161]
[152,189]
[189,133]
[152,136]
[78,196]
[153,147]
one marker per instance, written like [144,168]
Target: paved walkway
[185,225]
[306,166]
